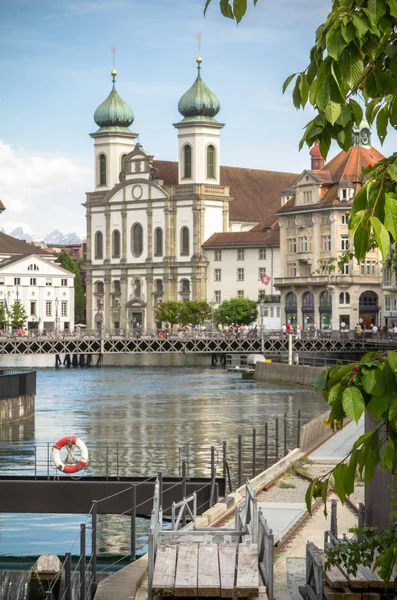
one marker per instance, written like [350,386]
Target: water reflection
[139,420]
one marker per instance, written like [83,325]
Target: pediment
[136,190]
[307,178]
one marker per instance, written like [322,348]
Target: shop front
[291,310]
[325,310]
[368,309]
[307,310]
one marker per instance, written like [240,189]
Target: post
[266,447]
[117,459]
[68,576]
[224,461]
[133,523]
[290,348]
[35,462]
[107,463]
[93,547]
[160,478]
[48,595]
[262,334]
[285,434]
[239,460]
[48,460]
[298,434]
[253,452]
[82,562]
[184,491]
[276,439]
[213,500]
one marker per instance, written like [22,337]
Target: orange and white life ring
[161,334]
[69,466]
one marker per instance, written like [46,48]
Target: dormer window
[345,191]
[307,197]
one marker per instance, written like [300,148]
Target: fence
[266,554]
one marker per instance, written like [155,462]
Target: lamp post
[56,317]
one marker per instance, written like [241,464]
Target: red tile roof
[256,194]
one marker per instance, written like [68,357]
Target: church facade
[147,220]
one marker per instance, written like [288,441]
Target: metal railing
[266,554]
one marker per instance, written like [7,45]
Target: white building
[147,220]
[30,276]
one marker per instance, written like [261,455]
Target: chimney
[317,161]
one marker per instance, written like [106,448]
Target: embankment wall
[294,374]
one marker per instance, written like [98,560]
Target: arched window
[116,287]
[185,289]
[33,267]
[325,299]
[137,239]
[344,298]
[308,301]
[116,243]
[368,299]
[99,287]
[137,288]
[187,162]
[290,299]
[158,241]
[102,169]
[211,162]
[122,162]
[185,243]
[98,244]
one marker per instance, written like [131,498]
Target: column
[124,236]
[108,324]
[107,237]
[89,301]
[149,324]
[225,216]
[89,236]
[149,213]
[299,317]
[123,301]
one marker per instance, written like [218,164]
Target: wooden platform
[207,569]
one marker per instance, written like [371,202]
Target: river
[155,415]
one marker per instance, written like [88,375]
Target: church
[153,226]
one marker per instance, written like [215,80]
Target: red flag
[265,279]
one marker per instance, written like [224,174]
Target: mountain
[70,238]
[19,234]
[54,237]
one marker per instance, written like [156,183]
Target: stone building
[147,220]
[313,223]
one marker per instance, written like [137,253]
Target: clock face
[137,192]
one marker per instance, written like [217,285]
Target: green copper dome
[113,114]
[199,101]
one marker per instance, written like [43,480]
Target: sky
[55,63]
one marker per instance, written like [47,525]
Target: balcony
[321,280]
[199,189]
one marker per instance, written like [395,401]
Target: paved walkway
[340,444]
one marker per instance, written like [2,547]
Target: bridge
[191,345]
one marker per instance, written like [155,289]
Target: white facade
[236,272]
[45,289]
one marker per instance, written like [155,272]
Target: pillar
[107,303]
[107,237]
[89,301]
[123,301]
[124,236]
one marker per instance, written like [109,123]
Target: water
[150,412]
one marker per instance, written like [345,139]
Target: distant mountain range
[54,237]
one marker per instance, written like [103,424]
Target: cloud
[34,188]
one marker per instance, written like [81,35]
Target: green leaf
[325,143]
[361,240]
[393,410]
[333,393]
[323,91]
[381,236]
[369,380]
[287,81]
[324,495]
[391,214]
[304,89]
[382,120]
[296,94]
[392,359]
[339,372]
[335,43]
[339,487]
[206,6]
[239,9]
[388,455]
[349,473]
[320,382]
[356,110]
[353,403]
[361,25]
[345,115]
[392,171]
[363,438]
[393,7]
[332,112]
[309,496]
[352,66]
[378,405]
[226,9]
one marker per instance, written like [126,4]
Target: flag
[265,279]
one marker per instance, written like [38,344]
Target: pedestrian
[284,330]
[289,328]
[298,332]
[375,331]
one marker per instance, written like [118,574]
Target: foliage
[285,485]
[71,265]
[354,58]
[195,312]
[169,312]
[240,311]
[3,315]
[18,316]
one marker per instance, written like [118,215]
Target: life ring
[161,334]
[70,467]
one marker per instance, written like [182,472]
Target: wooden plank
[164,571]
[247,585]
[227,568]
[340,594]
[186,570]
[335,578]
[356,580]
[371,596]
[208,581]
[374,580]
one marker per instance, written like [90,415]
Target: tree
[195,312]
[67,262]
[18,316]
[169,312]
[240,311]
[3,316]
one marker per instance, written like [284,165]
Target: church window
[211,162]
[137,239]
[99,287]
[116,243]
[185,243]
[158,242]
[137,288]
[122,162]
[102,169]
[98,244]
[187,162]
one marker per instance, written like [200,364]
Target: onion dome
[199,103]
[114,114]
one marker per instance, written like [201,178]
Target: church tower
[199,135]
[113,140]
